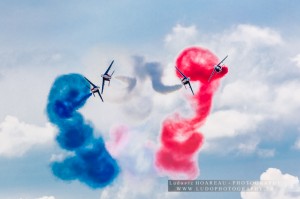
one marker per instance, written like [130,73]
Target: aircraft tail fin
[110,77]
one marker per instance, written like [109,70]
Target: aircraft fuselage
[218,68]
[106,77]
[185,81]
[93,90]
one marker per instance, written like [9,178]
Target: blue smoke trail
[91,163]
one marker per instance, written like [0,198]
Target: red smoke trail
[180,138]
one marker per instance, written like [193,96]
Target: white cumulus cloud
[287,100]
[181,36]
[17,137]
[254,35]
[229,123]
[286,187]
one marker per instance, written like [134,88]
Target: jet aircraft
[185,80]
[217,68]
[106,76]
[94,88]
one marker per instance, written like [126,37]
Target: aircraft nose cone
[218,69]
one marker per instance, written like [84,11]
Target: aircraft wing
[90,82]
[211,75]
[106,72]
[103,84]
[191,88]
[180,72]
[100,95]
[222,60]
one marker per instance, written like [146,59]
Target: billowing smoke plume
[180,138]
[154,71]
[90,163]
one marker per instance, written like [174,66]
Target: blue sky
[254,124]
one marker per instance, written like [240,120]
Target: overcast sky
[252,132]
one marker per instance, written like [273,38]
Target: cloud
[135,187]
[131,187]
[47,197]
[17,137]
[266,153]
[296,60]
[287,188]
[252,36]
[181,36]
[287,99]
[252,104]
[297,144]
[247,147]
[242,95]
[39,66]
[229,123]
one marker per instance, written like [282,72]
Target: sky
[251,133]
